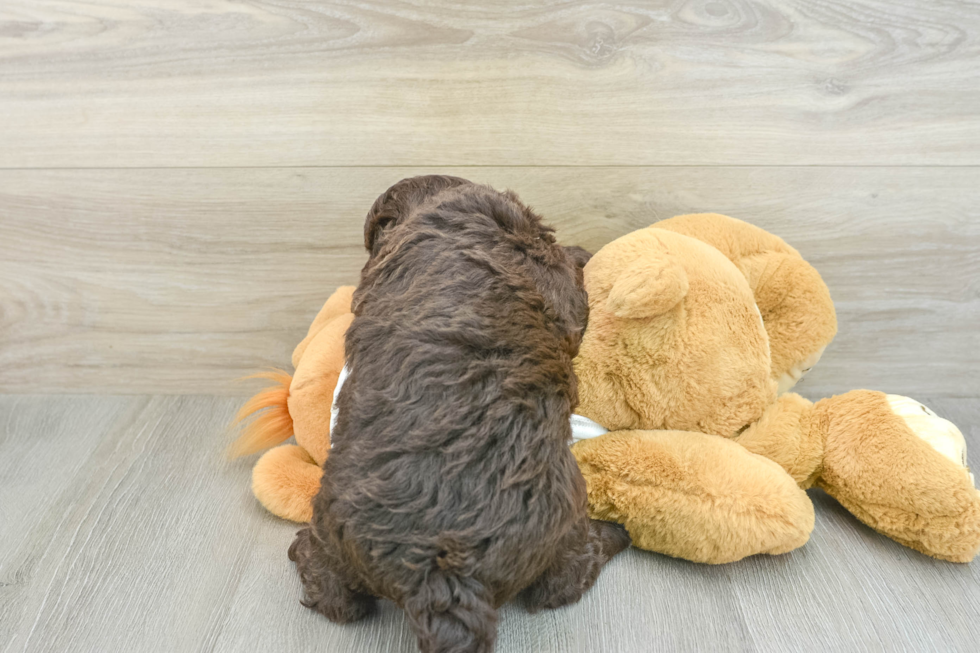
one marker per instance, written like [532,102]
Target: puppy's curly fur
[450,487]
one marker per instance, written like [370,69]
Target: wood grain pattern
[148,538]
[130,532]
[556,82]
[179,281]
[46,450]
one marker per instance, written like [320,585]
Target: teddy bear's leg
[694,496]
[581,555]
[285,480]
[326,589]
[794,301]
[881,466]
[796,309]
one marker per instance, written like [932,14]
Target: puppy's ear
[577,255]
[647,288]
[397,203]
[382,216]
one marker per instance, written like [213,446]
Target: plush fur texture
[675,342]
[311,390]
[272,423]
[450,488]
[893,481]
[285,480]
[856,448]
[674,339]
[694,496]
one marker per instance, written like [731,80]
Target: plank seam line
[482,165]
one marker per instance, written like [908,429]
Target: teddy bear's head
[675,339]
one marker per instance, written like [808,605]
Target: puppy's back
[450,471]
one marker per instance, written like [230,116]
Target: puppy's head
[444,204]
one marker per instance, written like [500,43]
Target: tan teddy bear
[689,340]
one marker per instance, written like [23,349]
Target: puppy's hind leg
[324,587]
[579,558]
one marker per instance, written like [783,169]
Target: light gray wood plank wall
[849,127]
[550,82]
[179,281]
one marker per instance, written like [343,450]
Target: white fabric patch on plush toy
[582,427]
[940,434]
[333,407]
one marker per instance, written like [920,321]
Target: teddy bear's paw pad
[940,434]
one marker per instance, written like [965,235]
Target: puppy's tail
[273,423]
[452,614]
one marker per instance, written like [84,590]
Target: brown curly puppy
[450,487]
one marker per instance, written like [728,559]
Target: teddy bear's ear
[648,287]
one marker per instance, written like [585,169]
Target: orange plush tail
[273,424]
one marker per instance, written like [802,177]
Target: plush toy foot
[901,469]
[285,480]
[693,496]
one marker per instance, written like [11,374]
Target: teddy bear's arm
[693,496]
[789,433]
[796,310]
[882,467]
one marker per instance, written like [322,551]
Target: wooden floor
[183,183]
[124,530]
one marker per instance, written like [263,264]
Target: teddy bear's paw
[940,434]
[693,496]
